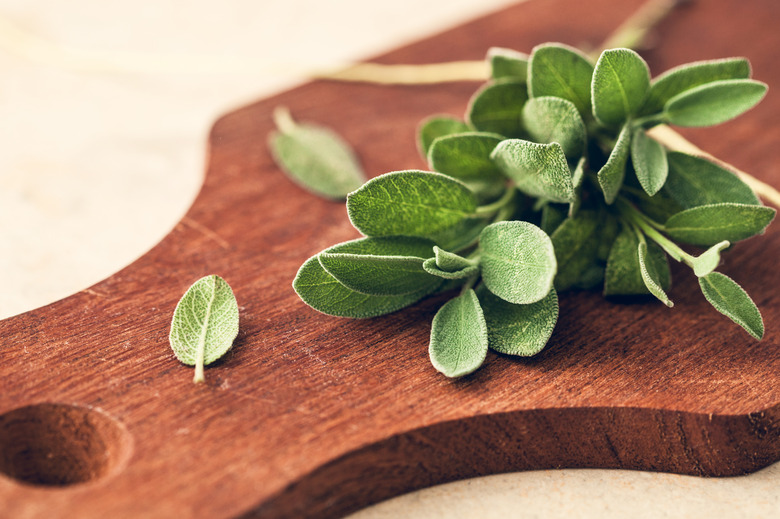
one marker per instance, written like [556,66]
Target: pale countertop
[104,111]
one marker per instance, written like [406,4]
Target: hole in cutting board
[60,444]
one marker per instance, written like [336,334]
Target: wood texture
[314,416]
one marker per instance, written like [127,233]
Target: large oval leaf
[539,170]
[714,103]
[459,340]
[695,181]
[560,71]
[621,80]
[707,225]
[552,119]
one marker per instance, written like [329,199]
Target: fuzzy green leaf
[315,157]
[649,160]
[437,126]
[518,329]
[380,266]
[612,173]
[620,83]
[432,268]
[324,293]
[450,261]
[708,260]
[650,277]
[496,107]
[679,79]
[538,170]
[560,71]
[409,203]
[707,225]
[624,276]
[518,261]
[204,324]
[466,156]
[731,300]
[507,63]
[459,340]
[576,244]
[695,181]
[714,103]
[552,119]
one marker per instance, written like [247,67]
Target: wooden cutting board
[315,416]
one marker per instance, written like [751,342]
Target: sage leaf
[381,266]
[324,293]
[538,170]
[649,160]
[432,268]
[437,126]
[707,225]
[612,173]
[623,275]
[576,245]
[552,119]
[459,340]
[409,203]
[679,79]
[461,235]
[695,181]
[708,260]
[204,324]
[507,63]
[466,156]
[450,261]
[731,300]
[521,330]
[553,216]
[620,83]
[497,106]
[650,276]
[561,71]
[714,103]
[517,260]
[577,178]
[315,157]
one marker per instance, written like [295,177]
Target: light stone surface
[104,110]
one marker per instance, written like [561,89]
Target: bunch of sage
[550,183]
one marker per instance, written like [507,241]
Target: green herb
[552,179]
[205,323]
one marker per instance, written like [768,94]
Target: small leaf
[649,160]
[518,261]
[576,244]
[431,267]
[205,323]
[381,266]
[731,300]
[450,261]
[315,157]
[679,79]
[714,103]
[437,126]
[707,225]
[620,83]
[538,170]
[507,63]
[552,119]
[518,329]
[496,107]
[695,181]
[560,71]
[466,157]
[708,260]
[321,291]
[459,340]
[409,203]
[611,175]
[623,275]
[650,276]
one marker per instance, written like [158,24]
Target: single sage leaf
[611,175]
[205,323]
[437,126]
[466,156]
[679,79]
[714,103]
[518,329]
[623,275]
[731,300]
[707,225]
[381,266]
[576,245]
[459,340]
[432,268]
[708,260]
[496,107]
[561,71]
[324,293]
[450,261]
[315,157]
[409,203]
[609,227]
[650,276]
[695,181]
[620,83]
[507,63]
[518,261]
[538,170]
[649,160]
[552,119]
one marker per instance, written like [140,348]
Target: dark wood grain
[316,416]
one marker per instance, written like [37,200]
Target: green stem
[651,230]
[506,198]
[470,282]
